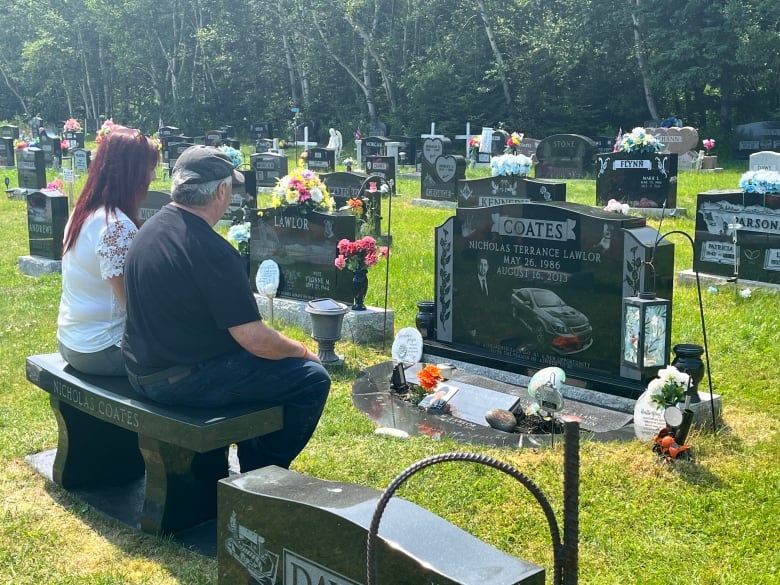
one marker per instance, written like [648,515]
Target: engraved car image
[551,321]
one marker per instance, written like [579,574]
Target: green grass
[711,521]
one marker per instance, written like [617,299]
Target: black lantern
[647,327]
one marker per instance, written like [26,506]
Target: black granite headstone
[407,149]
[565,156]
[440,171]
[498,142]
[31,168]
[755,137]
[7,152]
[343,186]
[261,131]
[279,526]
[168,131]
[321,160]
[500,190]
[263,145]
[382,166]
[154,202]
[75,139]
[555,278]
[373,146]
[269,167]
[304,247]
[215,137]
[604,144]
[47,214]
[377,128]
[640,180]
[175,149]
[528,147]
[81,159]
[9,131]
[50,144]
[738,234]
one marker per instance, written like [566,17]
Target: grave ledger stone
[565,156]
[640,180]
[47,214]
[738,234]
[279,526]
[542,284]
[304,247]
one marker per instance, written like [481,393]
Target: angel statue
[334,143]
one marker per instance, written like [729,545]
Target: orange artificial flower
[429,376]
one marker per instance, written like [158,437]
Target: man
[194,335]
[482,276]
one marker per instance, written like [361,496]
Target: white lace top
[91,318]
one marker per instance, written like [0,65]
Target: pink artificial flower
[708,143]
[340,262]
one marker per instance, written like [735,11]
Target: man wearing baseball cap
[194,335]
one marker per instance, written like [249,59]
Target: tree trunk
[13,91]
[642,63]
[496,53]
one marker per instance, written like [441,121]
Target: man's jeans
[300,386]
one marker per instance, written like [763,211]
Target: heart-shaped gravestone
[446,166]
[677,140]
[433,148]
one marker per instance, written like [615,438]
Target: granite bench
[110,435]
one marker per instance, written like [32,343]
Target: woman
[97,236]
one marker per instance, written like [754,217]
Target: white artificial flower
[745,293]
[316,195]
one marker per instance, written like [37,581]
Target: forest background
[539,67]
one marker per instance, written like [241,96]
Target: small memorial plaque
[407,346]
[267,279]
[648,418]
[81,159]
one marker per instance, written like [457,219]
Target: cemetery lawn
[707,522]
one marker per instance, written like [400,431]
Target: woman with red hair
[97,236]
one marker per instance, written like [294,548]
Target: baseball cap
[201,164]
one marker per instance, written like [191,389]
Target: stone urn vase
[709,163]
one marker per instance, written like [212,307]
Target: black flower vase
[425,319]
[359,288]
[687,359]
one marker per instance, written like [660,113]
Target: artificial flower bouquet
[510,165]
[669,387]
[303,189]
[361,254]
[638,141]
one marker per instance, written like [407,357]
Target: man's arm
[259,339]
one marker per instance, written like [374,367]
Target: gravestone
[373,146]
[738,234]
[377,129]
[47,214]
[7,152]
[31,168]
[407,149]
[263,145]
[215,137]
[152,203]
[81,159]
[508,189]
[555,276]
[50,145]
[174,151]
[528,147]
[440,171]
[9,131]
[261,131]
[250,184]
[321,160]
[279,526]
[382,166]
[343,185]
[565,156]
[640,180]
[765,161]
[269,167]
[75,139]
[304,247]
[168,132]
[755,137]
[676,140]
[603,144]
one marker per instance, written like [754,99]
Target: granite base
[369,326]
[688,277]
[37,266]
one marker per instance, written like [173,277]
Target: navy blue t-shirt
[185,285]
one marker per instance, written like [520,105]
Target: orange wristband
[305,350]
